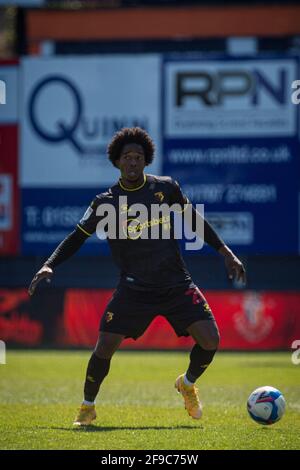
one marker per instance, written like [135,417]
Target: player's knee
[104,350]
[105,347]
[211,340]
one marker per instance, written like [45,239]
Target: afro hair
[131,135]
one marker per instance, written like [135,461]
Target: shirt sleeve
[88,222]
[67,248]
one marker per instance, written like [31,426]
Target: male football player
[153,276]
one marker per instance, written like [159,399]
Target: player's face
[132,163]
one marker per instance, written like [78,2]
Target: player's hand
[234,266]
[44,273]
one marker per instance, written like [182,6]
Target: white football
[266,405]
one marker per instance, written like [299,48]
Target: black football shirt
[144,262]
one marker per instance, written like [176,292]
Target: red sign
[9,193]
[16,324]
[257,320]
[247,320]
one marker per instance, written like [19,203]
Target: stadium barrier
[57,317]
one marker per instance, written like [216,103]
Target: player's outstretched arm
[64,251]
[234,266]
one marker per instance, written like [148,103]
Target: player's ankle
[188,381]
[88,403]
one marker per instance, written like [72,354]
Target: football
[266,405]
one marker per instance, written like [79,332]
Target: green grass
[138,407]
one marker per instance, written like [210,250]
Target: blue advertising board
[50,214]
[230,139]
[225,128]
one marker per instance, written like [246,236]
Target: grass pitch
[138,407]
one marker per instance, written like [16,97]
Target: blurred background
[212,84]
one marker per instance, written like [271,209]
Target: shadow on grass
[93,428]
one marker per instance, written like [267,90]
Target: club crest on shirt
[160,196]
[109,316]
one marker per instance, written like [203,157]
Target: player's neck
[127,184]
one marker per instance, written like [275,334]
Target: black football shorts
[130,311]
